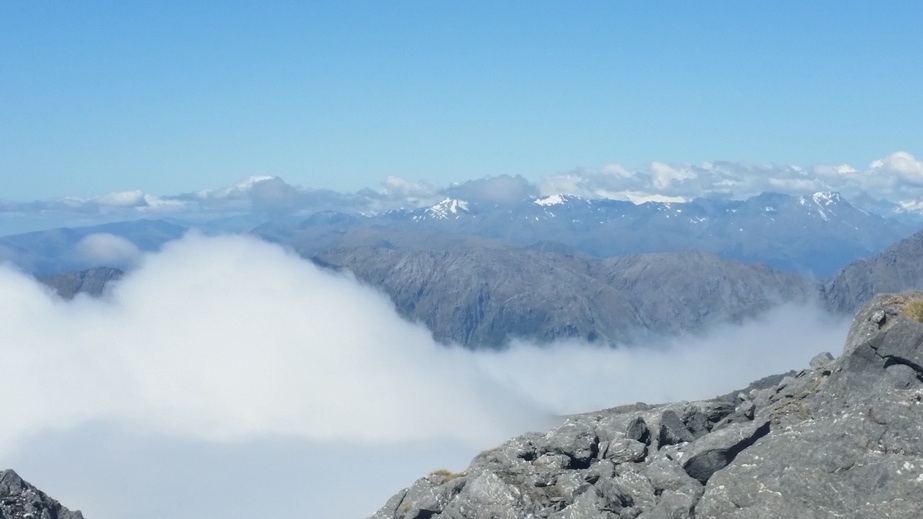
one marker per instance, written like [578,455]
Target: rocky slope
[91,281]
[21,500]
[895,268]
[483,293]
[841,439]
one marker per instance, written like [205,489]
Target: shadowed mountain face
[842,439]
[484,293]
[899,267]
[92,282]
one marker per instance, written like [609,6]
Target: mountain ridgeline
[812,235]
[485,293]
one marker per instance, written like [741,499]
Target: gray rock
[92,282]
[843,439]
[638,431]
[21,500]
[821,359]
[482,293]
[715,451]
[673,430]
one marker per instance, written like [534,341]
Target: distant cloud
[397,187]
[902,164]
[502,190]
[106,249]
[897,177]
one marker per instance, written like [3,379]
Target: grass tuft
[914,309]
[446,475]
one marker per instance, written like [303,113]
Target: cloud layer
[896,179]
[232,349]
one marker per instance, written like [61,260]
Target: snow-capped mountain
[813,234]
[449,208]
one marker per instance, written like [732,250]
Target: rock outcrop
[895,268]
[841,439]
[91,281]
[21,500]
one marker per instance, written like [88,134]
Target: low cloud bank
[236,344]
[230,338]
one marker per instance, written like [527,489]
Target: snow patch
[551,200]
[448,207]
[237,189]
[826,198]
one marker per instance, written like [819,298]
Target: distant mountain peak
[447,208]
[238,189]
[826,198]
[558,199]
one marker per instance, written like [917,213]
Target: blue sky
[172,97]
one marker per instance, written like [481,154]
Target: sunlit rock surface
[841,439]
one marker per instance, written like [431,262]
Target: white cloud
[227,338]
[897,177]
[239,190]
[232,349]
[106,249]
[903,164]
[395,186]
[664,176]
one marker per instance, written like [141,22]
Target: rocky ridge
[20,500]
[484,293]
[893,269]
[91,281]
[843,438]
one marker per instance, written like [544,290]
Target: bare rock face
[841,439]
[20,500]
[92,282]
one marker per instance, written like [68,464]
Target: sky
[225,363]
[229,374]
[173,97]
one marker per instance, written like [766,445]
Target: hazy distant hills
[811,235]
[44,253]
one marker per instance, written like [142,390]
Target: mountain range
[481,276]
[811,235]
